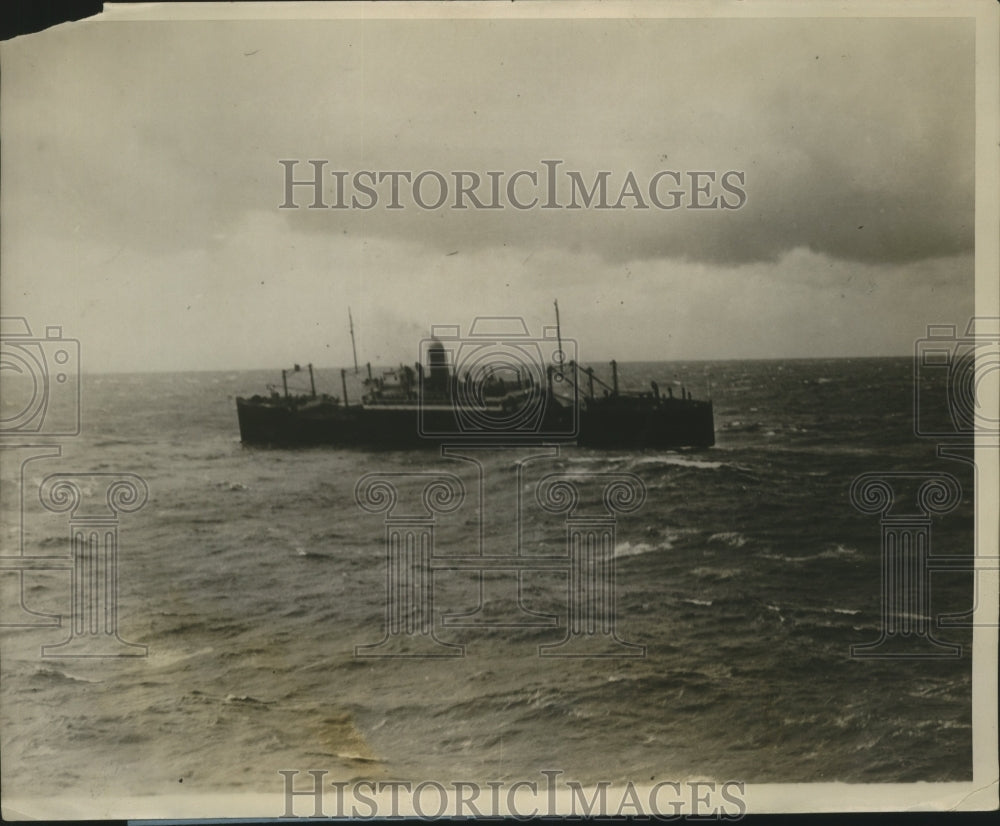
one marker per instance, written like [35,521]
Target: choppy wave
[733,539]
[50,675]
[623,549]
[676,460]
[837,551]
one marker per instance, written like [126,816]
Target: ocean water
[251,574]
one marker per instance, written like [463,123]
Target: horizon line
[390,365]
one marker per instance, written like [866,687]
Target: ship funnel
[438,374]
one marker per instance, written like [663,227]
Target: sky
[142,186]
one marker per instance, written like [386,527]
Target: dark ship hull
[612,422]
[639,423]
[493,386]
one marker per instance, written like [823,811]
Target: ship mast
[354,348]
[558,333]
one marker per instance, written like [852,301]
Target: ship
[495,385]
